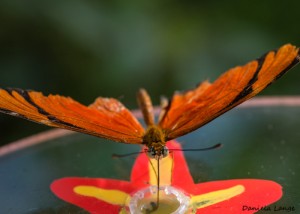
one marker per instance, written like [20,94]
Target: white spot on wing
[14,114]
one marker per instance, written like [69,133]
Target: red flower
[100,195]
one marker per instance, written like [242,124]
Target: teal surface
[261,143]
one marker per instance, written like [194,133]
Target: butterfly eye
[151,152]
[165,152]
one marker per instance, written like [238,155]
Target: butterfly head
[154,139]
[158,154]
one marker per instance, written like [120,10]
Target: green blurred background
[86,49]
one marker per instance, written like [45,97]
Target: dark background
[86,49]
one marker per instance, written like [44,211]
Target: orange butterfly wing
[106,117]
[192,109]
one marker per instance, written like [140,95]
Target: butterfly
[183,113]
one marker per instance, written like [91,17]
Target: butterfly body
[183,113]
[154,139]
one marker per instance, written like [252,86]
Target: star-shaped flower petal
[100,195]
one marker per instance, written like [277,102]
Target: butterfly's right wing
[190,110]
[106,117]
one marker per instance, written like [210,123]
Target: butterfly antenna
[126,155]
[219,145]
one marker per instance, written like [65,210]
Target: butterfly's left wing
[106,117]
[192,109]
